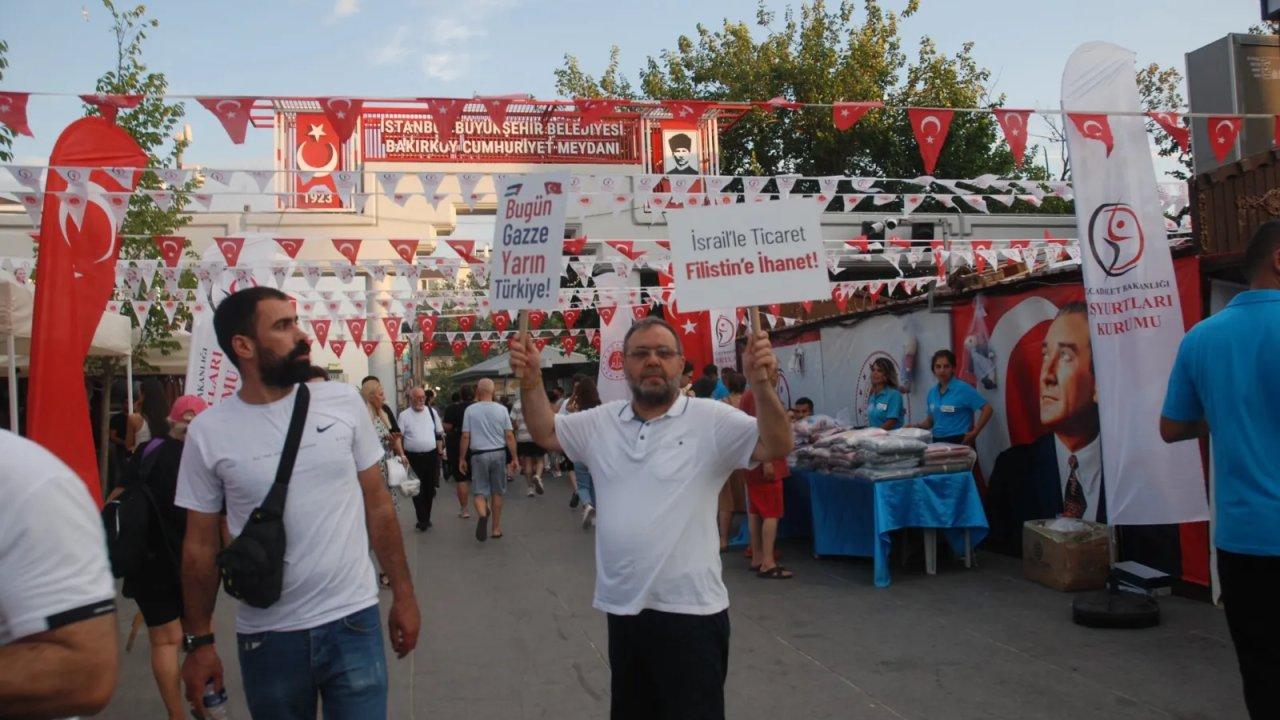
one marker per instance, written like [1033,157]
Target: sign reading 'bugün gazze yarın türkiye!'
[747,254]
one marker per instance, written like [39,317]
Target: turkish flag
[1094,126]
[501,320]
[291,246]
[626,247]
[458,346]
[688,110]
[592,110]
[392,326]
[232,112]
[930,126]
[444,114]
[342,113]
[109,104]
[356,327]
[777,102]
[577,245]
[1014,125]
[427,325]
[349,248]
[606,312]
[847,114]
[1172,124]
[466,322]
[13,112]
[536,318]
[427,346]
[485,347]
[369,347]
[1223,131]
[77,271]
[406,249]
[497,109]
[568,342]
[320,328]
[337,346]
[230,247]
[170,247]
[693,328]
[464,248]
[399,346]
[571,317]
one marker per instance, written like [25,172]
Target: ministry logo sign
[1116,238]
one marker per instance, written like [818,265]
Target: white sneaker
[530,492]
[588,516]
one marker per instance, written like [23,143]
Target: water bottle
[215,703]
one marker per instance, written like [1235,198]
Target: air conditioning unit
[1235,75]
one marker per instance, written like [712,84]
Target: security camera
[891,223]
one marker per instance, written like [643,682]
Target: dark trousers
[668,666]
[1249,587]
[426,465]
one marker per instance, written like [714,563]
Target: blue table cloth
[855,517]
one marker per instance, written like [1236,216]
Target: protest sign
[761,252]
[528,237]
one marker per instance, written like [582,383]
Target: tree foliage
[823,55]
[1159,89]
[153,124]
[6,135]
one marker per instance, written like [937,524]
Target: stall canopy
[113,337]
[500,365]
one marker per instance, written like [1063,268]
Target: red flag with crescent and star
[1171,122]
[847,114]
[694,329]
[13,112]
[930,126]
[232,112]
[444,114]
[316,157]
[342,113]
[1014,125]
[77,271]
[1094,126]
[1223,131]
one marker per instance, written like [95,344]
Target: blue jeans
[342,662]
[586,488]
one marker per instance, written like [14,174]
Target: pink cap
[186,404]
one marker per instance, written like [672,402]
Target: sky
[460,48]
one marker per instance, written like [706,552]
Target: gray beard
[655,397]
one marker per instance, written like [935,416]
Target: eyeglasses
[643,353]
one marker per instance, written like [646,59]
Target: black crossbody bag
[252,566]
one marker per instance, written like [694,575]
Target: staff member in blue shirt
[884,406]
[952,404]
[1224,383]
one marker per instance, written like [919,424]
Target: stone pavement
[509,634]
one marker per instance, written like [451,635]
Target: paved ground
[509,634]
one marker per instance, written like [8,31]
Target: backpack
[128,520]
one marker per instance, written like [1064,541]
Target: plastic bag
[978,362]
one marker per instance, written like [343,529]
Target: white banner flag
[614,323]
[1135,318]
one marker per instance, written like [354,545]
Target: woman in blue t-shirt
[884,405]
[952,404]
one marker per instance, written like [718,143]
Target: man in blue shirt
[722,391]
[952,404]
[1224,383]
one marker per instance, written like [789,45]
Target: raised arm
[760,365]
[538,415]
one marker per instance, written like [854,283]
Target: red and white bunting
[29,176]
[342,113]
[687,110]
[911,202]
[445,113]
[593,110]
[13,112]
[1171,122]
[930,126]
[1014,125]
[1094,126]
[497,108]
[406,249]
[847,114]
[232,112]
[109,104]
[230,247]
[170,247]
[369,347]
[348,248]
[355,326]
[1223,131]
[337,346]
[399,347]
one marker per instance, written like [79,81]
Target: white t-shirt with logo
[657,482]
[231,455]
[53,557]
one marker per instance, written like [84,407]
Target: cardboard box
[1066,555]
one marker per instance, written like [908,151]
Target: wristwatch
[191,642]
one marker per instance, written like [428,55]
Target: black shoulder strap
[294,437]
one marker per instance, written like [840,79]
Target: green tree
[6,135]
[153,124]
[1159,89]
[822,55]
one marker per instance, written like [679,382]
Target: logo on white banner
[1116,238]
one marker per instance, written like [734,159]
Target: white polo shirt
[656,483]
[420,429]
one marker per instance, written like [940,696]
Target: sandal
[777,572]
[495,536]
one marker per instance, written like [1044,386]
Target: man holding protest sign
[658,461]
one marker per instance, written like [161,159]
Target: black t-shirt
[453,415]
